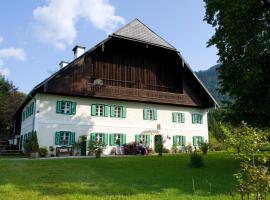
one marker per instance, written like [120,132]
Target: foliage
[10,99]
[165,150]
[204,147]
[189,148]
[244,50]
[159,148]
[174,148]
[83,138]
[246,143]
[130,178]
[91,147]
[30,145]
[95,147]
[196,160]
[43,151]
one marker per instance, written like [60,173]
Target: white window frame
[150,114]
[66,107]
[118,111]
[100,110]
[99,137]
[64,137]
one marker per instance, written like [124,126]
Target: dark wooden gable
[131,71]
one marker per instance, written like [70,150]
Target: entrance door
[158,140]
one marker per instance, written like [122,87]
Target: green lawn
[152,177]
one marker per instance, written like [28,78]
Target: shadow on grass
[121,176]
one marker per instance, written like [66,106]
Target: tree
[10,99]
[242,37]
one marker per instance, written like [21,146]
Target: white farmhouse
[133,86]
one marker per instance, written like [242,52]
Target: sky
[35,35]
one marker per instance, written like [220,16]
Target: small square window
[100,110]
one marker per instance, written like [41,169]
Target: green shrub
[43,151]
[196,160]
[174,148]
[83,138]
[165,150]
[204,147]
[188,148]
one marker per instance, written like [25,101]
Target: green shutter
[184,140]
[202,140]
[58,106]
[105,138]
[106,114]
[193,118]
[137,138]
[148,139]
[124,112]
[71,138]
[124,139]
[73,108]
[174,139]
[155,114]
[201,119]
[93,109]
[193,140]
[145,114]
[112,139]
[93,137]
[112,111]
[182,117]
[57,138]
[174,117]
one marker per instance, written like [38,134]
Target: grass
[167,177]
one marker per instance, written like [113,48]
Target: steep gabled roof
[136,30]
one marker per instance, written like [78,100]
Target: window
[99,110]
[118,111]
[29,110]
[196,118]
[64,138]
[178,117]
[197,140]
[66,107]
[100,138]
[117,136]
[179,140]
[144,138]
[149,114]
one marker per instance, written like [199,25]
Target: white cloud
[4,71]
[55,22]
[1,39]
[15,53]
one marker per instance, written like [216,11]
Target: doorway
[158,140]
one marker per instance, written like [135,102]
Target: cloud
[15,53]
[1,39]
[4,71]
[56,22]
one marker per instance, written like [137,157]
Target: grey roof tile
[136,30]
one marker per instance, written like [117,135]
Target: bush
[188,148]
[43,151]
[83,138]
[174,148]
[91,147]
[196,160]
[204,147]
[165,150]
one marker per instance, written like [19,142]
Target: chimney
[62,64]
[78,51]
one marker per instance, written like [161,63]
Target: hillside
[209,78]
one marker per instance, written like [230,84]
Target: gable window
[197,119]
[149,114]
[117,138]
[99,110]
[100,138]
[197,140]
[178,117]
[179,140]
[118,111]
[66,107]
[64,138]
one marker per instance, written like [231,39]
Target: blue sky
[35,35]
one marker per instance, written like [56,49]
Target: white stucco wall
[47,121]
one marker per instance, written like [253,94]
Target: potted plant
[43,151]
[91,148]
[204,147]
[51,149]
[98,149]
[33,145]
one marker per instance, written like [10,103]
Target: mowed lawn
[149,177]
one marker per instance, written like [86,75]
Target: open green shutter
[148,139]
[57,138]
[58,106]
[202,140]
[137,138]
[93,109]
[124,112]
[124,139]
[73,108]
[105,138]
[106,114]
[93,137]
[174,139]
[145,114]
[112,111]
[71,138]
[182,117]
[112,139]
[155,114]
[174,117]
[184,140]
[194,141]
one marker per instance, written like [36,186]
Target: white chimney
[78,51]
[62,64]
